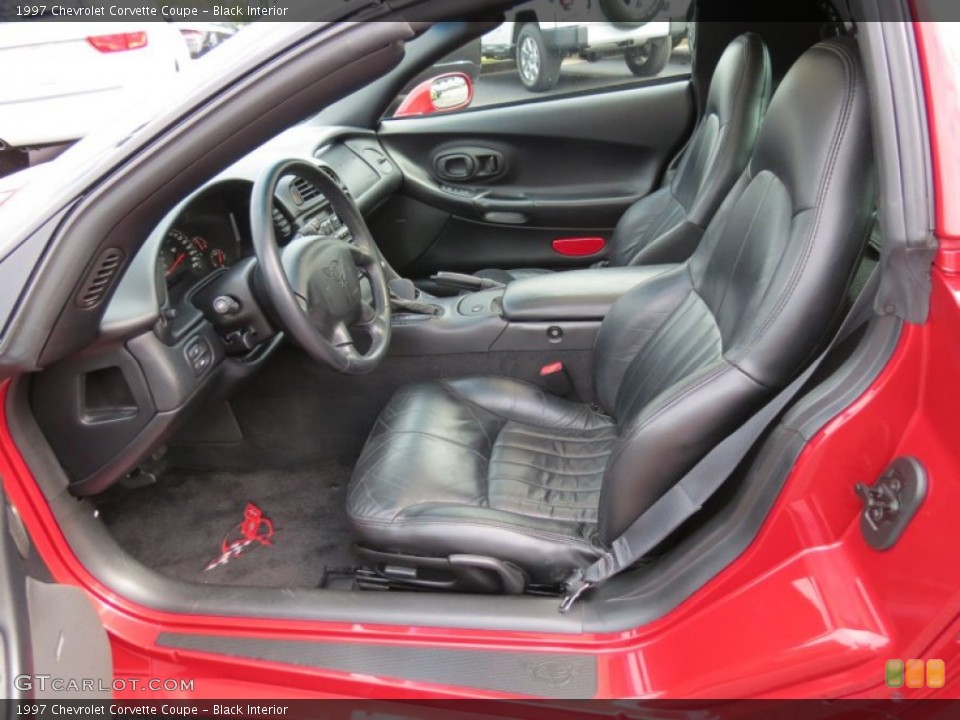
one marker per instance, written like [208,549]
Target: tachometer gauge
[181,257]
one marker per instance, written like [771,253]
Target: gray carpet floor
[176,525]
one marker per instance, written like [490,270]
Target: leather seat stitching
[592,507]
[743,245]
[590,414]
[608,435]
[664,328]
[551,453]
[442,439]
[839,132]
[470,409]
[564,473]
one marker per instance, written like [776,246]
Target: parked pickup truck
[538,40]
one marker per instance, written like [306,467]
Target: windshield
[146,103]
[145,109]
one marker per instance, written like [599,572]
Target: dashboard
[212,232]
[209,234]
[162,347]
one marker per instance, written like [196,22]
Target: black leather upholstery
[483,464]
[666,226]
[574,295]
[495,467]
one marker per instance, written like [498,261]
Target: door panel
[494,187]
[14,620]
[47,630]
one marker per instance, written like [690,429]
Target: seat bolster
[739,96]
[675,245]
[643,222]
[523,402]
[432,409]
[670,436]
[426,446]
[631,322]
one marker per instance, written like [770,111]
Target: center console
[553,311]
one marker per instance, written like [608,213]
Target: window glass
[525,61]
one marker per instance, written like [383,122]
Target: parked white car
[62,79]
[541,33]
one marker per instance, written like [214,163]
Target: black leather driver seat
[666,225]
[496,467]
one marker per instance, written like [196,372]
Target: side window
[525,60]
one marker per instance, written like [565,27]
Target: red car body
[809,610]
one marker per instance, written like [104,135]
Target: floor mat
[177,525]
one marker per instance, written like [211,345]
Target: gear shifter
[403,298]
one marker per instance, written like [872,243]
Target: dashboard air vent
[303,191]
[99,279]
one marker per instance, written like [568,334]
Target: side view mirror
[451,91]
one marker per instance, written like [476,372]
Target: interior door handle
[465,164]
[489,164]
[456,167]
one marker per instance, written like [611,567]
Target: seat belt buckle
[575,586]
[556,379]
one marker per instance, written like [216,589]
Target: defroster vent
[100,278]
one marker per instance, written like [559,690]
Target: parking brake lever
[462,281]
[403,297]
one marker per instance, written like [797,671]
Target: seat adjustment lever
[512,579]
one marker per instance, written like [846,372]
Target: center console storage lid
[575,294]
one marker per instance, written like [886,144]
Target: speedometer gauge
[180,256]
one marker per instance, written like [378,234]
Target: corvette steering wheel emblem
[254,530]
[335,271]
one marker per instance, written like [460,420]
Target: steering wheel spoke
[364,259]
[314,283]
[374,323]
[368,314]
[340,335]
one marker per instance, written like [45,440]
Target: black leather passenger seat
[500,468]
[667,225]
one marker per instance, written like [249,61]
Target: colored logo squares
[916,673]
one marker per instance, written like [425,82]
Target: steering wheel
[314,282]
